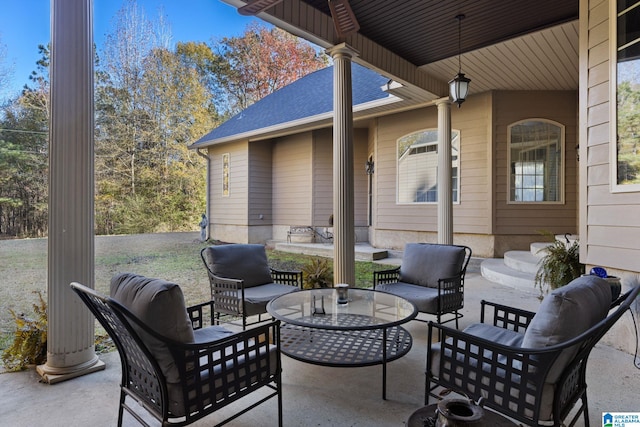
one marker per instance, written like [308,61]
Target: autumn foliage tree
[260,62]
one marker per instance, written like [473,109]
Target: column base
[53,375]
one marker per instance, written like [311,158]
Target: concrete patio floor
[314,395]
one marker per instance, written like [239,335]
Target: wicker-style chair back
[213,373]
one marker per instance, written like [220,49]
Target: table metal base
[346,348]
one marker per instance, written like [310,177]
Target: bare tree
[6,70]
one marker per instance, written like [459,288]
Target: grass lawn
[170,256]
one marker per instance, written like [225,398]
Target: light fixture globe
[459,85]
[459,88]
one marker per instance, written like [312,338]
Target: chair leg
[426,389]
[586,409]
[280,402]
[121,407]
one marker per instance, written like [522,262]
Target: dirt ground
[172,256]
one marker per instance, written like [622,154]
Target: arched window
[536,160]
[418,167]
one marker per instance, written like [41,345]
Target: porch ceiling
[511,45]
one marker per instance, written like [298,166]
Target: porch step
[538,249]
[523,261]
[364,251]
[495,270]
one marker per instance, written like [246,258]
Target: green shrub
[317,274]
[29,345]
[559,266]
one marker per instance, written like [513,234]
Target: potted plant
[317,274]
[559,266]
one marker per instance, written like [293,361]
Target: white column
[70,334]
[445,200]
[343,180]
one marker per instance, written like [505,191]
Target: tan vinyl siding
[322,177]
[472,214]
[360,154]
[531,218]
[292,180]
[231,209]
[260,185]
[610,222]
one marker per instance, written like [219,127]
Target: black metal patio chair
[431,276]
[174,368]
[528,366]
[242,283]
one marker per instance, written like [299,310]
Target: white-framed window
[417,165]
[536,161]
[625,90]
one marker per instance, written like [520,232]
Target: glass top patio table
[363,332]
[365,309]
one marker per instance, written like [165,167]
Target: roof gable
[308,96]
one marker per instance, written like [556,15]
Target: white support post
[445,198]
[343,175]
[70,333]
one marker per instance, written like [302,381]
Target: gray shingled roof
[307,97]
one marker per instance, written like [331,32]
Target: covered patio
[415,45]
[314,395]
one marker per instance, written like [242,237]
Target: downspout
[207,213]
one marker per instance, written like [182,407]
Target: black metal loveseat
[528,366]
[174,368]
[431,276]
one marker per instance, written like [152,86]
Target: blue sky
[24,24]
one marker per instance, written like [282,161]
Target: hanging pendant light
[459,85]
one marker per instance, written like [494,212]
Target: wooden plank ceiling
[510,45]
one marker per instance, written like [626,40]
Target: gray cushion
[257,297]
[564,314]
[424,263]
[425,299]
[568,311]
[239,261]
[160,305]
[174,391]
[210,333]
[483,330]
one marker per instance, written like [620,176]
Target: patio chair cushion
[424,298]
[482,330]
[423,263]
[247,262]
[257,297]
[234,357]
[160,305]
[564,314]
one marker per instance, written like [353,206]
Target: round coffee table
[365,331]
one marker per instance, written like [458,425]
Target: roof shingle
[307,97]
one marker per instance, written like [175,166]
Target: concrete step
[537,249]
[523,261]
[495,270]
[364,251]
